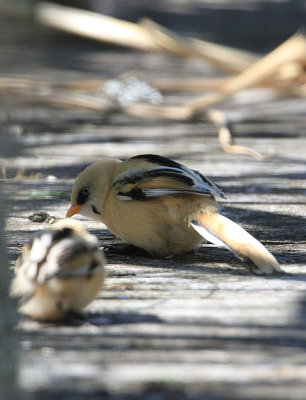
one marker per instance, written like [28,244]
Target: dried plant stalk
[65,99]
[87,85]
[92,85]
[219,119]
[226,58]
[16,82]
[94,26]
[178,113]
[167,40]
[225,139]
[163,84]
[147,35]
[188,84]
[294,49]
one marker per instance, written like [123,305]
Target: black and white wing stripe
[60,253]
[144,182]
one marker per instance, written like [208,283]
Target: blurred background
[259,25]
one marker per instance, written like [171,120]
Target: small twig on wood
[218,118]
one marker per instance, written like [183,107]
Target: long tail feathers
[221,231]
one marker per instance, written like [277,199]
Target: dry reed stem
[146,35]
[65,99]
[224,57]
[294,49]
[92,85]
[218,118]
[94,26]
[176,113]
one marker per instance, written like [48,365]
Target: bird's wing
[148,176]
[71,257]
[32,257]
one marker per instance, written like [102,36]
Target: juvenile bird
[58,273]
[163,207]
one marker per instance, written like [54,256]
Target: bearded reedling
[162,206]
[58,273]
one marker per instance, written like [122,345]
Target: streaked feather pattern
[161,178]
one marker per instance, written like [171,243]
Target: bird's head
[91,188]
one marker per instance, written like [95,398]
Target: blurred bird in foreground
[58,273]
[163,207]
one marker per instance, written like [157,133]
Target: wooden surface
[195,327]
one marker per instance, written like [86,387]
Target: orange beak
[74,209]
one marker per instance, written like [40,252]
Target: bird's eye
[85,191]
[83,195]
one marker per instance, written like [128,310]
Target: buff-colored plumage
[163,207]
[59,273]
